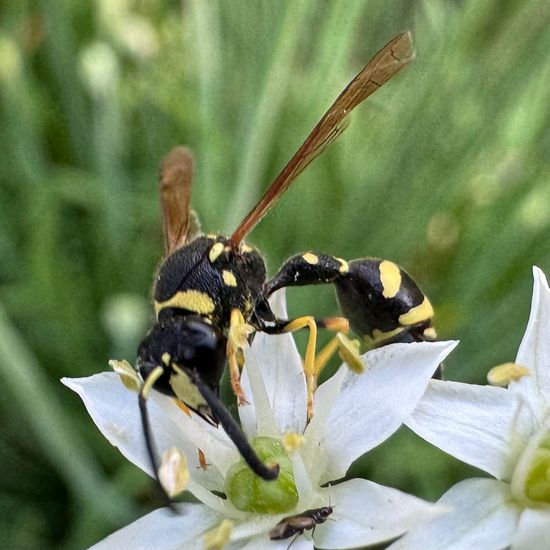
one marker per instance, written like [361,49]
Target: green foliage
[445,171]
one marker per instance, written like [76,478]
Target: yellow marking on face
[415,315]
[186,391]
[215,251]
[430,333]
[229,278]
[390,277]
[212,236]
[310,258]
[344,267]
[166,358]
[246,249]
[380,336]
[192,300]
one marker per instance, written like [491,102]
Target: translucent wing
[393,57]
[176,178]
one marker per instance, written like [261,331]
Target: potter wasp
[210,292]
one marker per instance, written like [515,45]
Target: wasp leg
[348,351]
[310,268]
[280,326]
[147,433]
[239,331]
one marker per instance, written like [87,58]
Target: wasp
[296,525]
[210,292]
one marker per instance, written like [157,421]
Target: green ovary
[537,480]
[250,493]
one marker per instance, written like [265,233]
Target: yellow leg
[309,359]
[348,351]
[238,338]
[235,374]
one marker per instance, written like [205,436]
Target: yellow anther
[292,441]
[218,538]
[502,375]
[128,375]
[173,472]
[349,353]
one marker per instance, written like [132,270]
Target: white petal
[283,375]
[483,518]
[115,411]
[256,416]
[263,543]
[534,351]
[164,530]
[480,425]
[367,513]
[374,404]
[533,532]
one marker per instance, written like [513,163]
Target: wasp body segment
[381,301]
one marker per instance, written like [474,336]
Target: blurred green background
[445,170]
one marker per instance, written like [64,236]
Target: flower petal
[282,372]
[164,530]
[533,532]
[372,405]
[367,513]
[115,411]
[534,350]
[483,516]
[263,543]
[480,425]
[256,416]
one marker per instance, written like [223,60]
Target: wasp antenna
[232,429]
[147,433]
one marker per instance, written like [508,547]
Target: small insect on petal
[292,441]
[218,538]
[173,472]
[502,375]
[128,375]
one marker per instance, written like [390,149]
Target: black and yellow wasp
[210,291]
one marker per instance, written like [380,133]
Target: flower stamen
[173,472]
[128,375]
[502,375]
[218,538]
[292,441]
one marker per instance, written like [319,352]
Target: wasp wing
[176,178]
[393,57]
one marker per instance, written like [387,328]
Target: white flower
[352,414]
[505,432]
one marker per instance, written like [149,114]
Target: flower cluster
[352,414]
[503,431]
